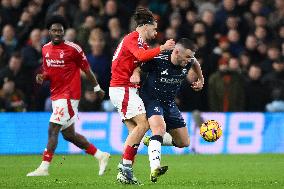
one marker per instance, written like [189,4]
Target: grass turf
[185,171]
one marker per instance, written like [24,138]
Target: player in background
[165,75]
[131,51]
[62,62]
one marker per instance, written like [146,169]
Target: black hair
[188,44]
[143,16]
[56,19]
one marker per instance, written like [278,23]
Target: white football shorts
[127,101]
[65,112]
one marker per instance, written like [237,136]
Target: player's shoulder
[163,56]
[73,46]
[132,36]
[47,45]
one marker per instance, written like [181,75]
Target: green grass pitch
[185,171]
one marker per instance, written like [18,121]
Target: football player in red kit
[62,62]
[131,51]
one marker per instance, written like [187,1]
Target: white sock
[167,140]
[154,151]
[98,154]
[44,165]
[126,161]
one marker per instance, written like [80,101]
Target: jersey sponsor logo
[54,63]
[171,80]
[165,72]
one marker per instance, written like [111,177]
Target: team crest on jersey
[184,71]
[47,55]
[61,55]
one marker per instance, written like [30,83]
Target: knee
[144,126]
[183,144]
[158,130]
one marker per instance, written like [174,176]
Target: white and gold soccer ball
[210,131]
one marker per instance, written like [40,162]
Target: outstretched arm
[197,85]
[144,55]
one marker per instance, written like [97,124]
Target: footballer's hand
[39,78]
[169,45]
[135,78]
[197,85]
[101,94]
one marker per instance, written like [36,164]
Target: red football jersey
[61,66]
[124,62]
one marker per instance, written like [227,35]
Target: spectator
[12,99]
[114,35]
[226,90]
[99,59]
[31,53]
[84,32]
[8,38]
[70,35]
[3,56]
[83,11]
[273,54]
[24,27]
[274,80]
[14,72]
[235,46]
[256,92]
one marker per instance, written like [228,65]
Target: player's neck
[173,60]
[57,43]
[141,33]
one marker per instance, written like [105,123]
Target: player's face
[184,56]
[56,33]
[151,31]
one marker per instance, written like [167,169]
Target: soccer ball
[210,131]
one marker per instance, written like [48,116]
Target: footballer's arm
[143,55]
[197,85]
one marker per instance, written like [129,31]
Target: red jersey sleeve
[135,46]
[81,60]
[44,68]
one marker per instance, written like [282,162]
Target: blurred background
[240,49]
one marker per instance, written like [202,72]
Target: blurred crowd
[240,48]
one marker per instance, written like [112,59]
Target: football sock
[154,151]
[91,150]
[167,140]
[129,154]
[46,159]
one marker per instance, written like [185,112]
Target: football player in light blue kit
[165,74]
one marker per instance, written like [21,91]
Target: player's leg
[180,137]
[132,110]
[167,140]
[47,156]
[134,137]
[158,128]
[80,141]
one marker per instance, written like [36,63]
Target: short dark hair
[143,16]
[56,19]
[188,44]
